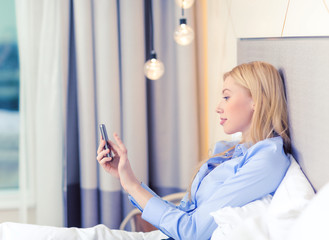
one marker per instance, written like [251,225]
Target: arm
[260,174]
[121,169]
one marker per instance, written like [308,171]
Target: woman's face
[236,108]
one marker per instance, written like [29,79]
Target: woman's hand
[109,164]
[119,166]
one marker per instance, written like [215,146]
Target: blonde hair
[270,117]
[266,88]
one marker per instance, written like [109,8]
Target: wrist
[140,195]
[133,186]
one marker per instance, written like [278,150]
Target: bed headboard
[304,64]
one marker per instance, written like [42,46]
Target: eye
[226,98]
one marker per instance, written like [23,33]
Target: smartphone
[102,128]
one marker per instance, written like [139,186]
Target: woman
[254,104]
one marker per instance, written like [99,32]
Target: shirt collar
[240,149]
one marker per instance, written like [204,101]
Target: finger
[114,147]
[105,160]
[101,146]
[102,154]
[120,143]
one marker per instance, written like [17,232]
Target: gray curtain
[156,119]
[82,64]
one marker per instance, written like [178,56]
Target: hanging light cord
[151,36]
[183,8]
[285,17]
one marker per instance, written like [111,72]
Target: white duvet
[247,222]
[17,231]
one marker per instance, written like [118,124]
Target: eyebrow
[226,89]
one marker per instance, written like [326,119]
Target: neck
[246,136]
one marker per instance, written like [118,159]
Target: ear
[253,105]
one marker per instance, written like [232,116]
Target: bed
[293,212]
[298,209]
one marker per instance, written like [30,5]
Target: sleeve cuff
[134,202]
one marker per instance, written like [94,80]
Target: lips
[222,120]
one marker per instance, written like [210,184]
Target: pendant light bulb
[153,68]
[183,34]
[184,3]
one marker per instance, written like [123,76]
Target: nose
[219,108]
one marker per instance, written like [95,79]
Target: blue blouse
[250,174]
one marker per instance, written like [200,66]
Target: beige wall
[229,20]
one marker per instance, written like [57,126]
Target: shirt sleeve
[135,203]
[261,173]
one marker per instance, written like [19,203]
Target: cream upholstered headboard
[304,64]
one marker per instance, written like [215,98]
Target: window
[9,98]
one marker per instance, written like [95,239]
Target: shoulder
[269,145]
[270,152]
[222,146]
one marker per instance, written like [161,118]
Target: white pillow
[313,222]
[289,200]
[230,219]
[266,219]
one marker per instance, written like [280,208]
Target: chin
[229,132]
